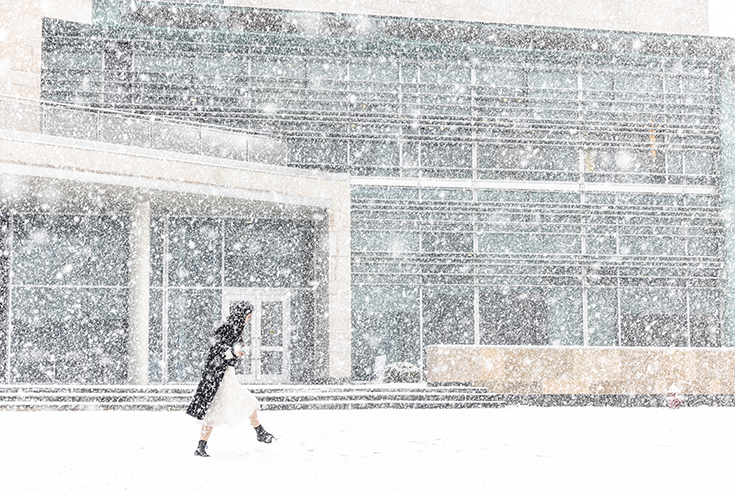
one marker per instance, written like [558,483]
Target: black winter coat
[224,340]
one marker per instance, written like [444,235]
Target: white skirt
[232,404]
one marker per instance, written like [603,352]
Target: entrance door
[266,357]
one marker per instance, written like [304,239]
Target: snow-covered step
[312,397]
[373,404]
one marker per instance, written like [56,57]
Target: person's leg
[203,438]
[206,432]
[262,434]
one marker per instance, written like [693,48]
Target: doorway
[266,359]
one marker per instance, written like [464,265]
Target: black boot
[263,435]
[202,449]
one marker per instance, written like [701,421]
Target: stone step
[301,405]
[264,397]
[385,404]
[254,388]
[285,397]
[296,397]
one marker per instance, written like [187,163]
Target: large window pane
[704,246]
[653,317]
[4,293]
[155,336]
[271,324]
[73,61]
[303,311]
[651,245]
[529,242]
[162,64]
[602,317]
[69,335]
[385,241]
[291,67]
[195,251]
[704,311]
[326,70]
[528,162]
[631,85]
[218,68]
[65,249]
[374,70]
[602,235]
[564,316]
[454,238]
[268,253]
[157,237]
[192,317]
[374,158]
[448,315]
[597,95]
[321,152]
[446,160]
[513,316]
[498,76]
[385,322]
[552,93]
[698,163]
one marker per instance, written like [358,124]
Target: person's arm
[233,353]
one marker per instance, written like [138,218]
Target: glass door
[266,359]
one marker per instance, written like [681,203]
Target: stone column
[321,298]
[139,294]
[727,108]
[340,287]
[332,329]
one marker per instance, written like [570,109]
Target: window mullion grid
[9,315]
[164,315]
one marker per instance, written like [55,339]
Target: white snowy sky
[722,18]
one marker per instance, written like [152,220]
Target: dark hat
[239,313]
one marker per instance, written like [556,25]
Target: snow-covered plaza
[509,448]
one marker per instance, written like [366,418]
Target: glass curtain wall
[533,268]
[64,292]
[384,105]
[615,137]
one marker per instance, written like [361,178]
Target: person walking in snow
[220,399]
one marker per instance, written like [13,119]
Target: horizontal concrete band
[583,370]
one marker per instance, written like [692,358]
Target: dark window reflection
[513,318]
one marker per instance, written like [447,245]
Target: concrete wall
[141,132]
[669,16]
[20,40]
[569,370]
[20,48]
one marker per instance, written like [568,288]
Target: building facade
[510,185]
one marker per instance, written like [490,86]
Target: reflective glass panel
[448,315]
[602,317]
[271,324]
[193,315]
[271,363]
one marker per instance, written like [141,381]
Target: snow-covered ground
[509,448]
